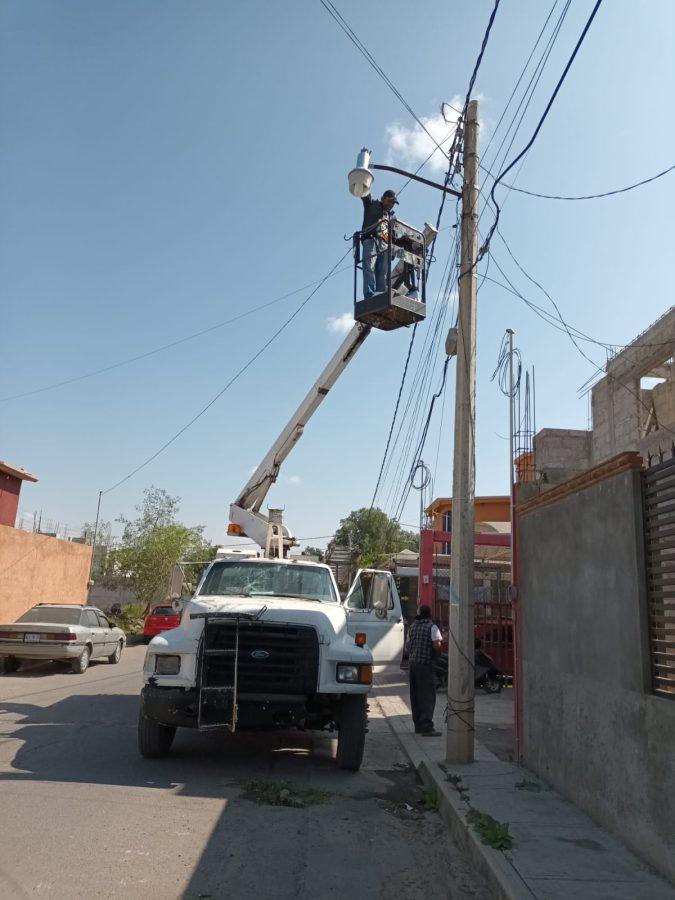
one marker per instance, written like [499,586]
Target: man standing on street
[424,639]
[374,239]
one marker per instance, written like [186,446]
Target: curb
[493,865]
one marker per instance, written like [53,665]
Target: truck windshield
[269,579]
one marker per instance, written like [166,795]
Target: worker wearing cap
[424,641]
[375,238]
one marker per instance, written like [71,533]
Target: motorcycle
[486,675]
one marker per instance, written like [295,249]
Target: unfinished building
[633,408]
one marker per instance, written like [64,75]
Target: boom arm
[245,511]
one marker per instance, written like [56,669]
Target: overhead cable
[232,380]
[189,337]
[540,123]
[337,16]
[622,190]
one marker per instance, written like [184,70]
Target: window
[103,622]
[89,619]
[52,615]
[164,611]
[447,526]
[270,579]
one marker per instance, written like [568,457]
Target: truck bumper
[170,706]
[179,707]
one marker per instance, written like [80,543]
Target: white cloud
[411,146]
[340,324]
[294,480]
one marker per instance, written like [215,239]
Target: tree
[154,542]
[314,551]
[373,536]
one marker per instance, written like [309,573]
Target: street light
[361,178]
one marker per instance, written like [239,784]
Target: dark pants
[422,695]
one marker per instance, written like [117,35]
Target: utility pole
[460,727]
[93,543]
[512,401]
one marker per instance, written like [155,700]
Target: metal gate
[493,626]
[659,521]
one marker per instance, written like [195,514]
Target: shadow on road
[91,739]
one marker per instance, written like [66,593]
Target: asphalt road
[83,815]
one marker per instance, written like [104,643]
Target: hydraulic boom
[246,519]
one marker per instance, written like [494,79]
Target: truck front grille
[273,658]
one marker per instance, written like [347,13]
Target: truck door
[374,607]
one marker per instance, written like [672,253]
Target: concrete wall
[591,728]
[35,568]
[561,453]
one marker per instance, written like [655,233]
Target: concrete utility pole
[460,729]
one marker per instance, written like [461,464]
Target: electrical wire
[132,359]
[342,23]
[232,380]
[540,123]
[622,190]
[566,328]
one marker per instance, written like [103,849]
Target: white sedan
[62,632]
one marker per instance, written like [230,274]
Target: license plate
[31,638]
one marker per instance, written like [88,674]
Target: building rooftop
[17,472]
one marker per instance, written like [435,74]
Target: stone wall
[35,568]
[590,726]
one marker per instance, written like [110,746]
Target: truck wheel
[81,664]
[11,664]
[352,721]
[154,740]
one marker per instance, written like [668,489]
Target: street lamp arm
[433,184]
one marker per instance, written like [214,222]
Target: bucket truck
[267,642]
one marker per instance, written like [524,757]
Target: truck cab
[267,643]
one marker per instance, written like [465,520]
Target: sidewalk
[557,852]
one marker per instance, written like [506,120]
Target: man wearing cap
[374,239]
[424,641]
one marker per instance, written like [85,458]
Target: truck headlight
[167,665]
[348,673]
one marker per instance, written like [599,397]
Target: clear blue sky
[166,165]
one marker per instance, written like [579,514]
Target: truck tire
[154,740]
[11,664]
[352,723]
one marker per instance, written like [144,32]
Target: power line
[604,372]
[234,378]
[337,16]
[541,121]
[622,190]
[177,342]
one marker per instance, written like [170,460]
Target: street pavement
[83,815]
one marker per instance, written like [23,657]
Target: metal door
[374,607]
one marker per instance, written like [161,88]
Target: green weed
[528,785]
[429,797]
[490,831]
[282,793]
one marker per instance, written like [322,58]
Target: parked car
[52,631]
[160,618]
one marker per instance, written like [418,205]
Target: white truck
[267,642]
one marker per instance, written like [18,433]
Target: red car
[161,618]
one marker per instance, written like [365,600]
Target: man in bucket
[374,239]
